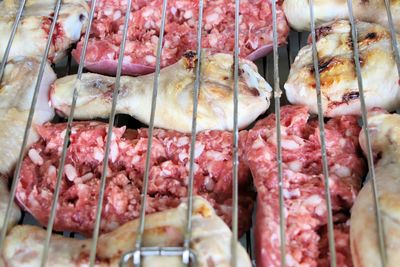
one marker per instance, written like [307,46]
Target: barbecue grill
[273,67]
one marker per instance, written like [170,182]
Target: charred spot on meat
[324,64]
[191,59]
[322,31]
[339,75]
[82,17]
[350,96]
[371,35]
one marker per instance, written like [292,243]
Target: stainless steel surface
[275,68]
[321,123]
[370,157]
[235,158]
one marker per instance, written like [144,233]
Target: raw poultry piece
[33,29]
[385,141]
[175,95]
[298,12]
[16,91]
[211,242]
[168,180]
[255,39]
[339,87]
[303,186]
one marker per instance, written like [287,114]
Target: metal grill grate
[271,67]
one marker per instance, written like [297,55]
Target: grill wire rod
[18,167]
[378,218]
[11,39]
[393,36]
[188,233]
[235,160]
[53,211]
[277,99]
[143,203]
[96,230]
[187,254]
[325,168]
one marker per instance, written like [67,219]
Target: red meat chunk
[303,182]
[180,32]
[168,179]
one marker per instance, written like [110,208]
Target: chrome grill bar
[29,124]
[277,98]
[325,167]
[393,35]
[188,233]
[235,159]
[96,230]
[139,236]
[378,218]
[11,39]
[60,173]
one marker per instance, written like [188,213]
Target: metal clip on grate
[31,113]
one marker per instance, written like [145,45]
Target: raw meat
[168,175]
[339,86]
[304,197]
[385,141]
[33,29]
[211,241]
[175,95]
[180,32]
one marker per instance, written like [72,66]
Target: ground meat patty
[305,206]
[168,175]
[180,32]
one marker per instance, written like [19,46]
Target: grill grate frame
[274,73]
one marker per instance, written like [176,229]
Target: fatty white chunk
[70,172]
[35,156]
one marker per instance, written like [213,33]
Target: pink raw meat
[180,32]
[167,183]
[304,195]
